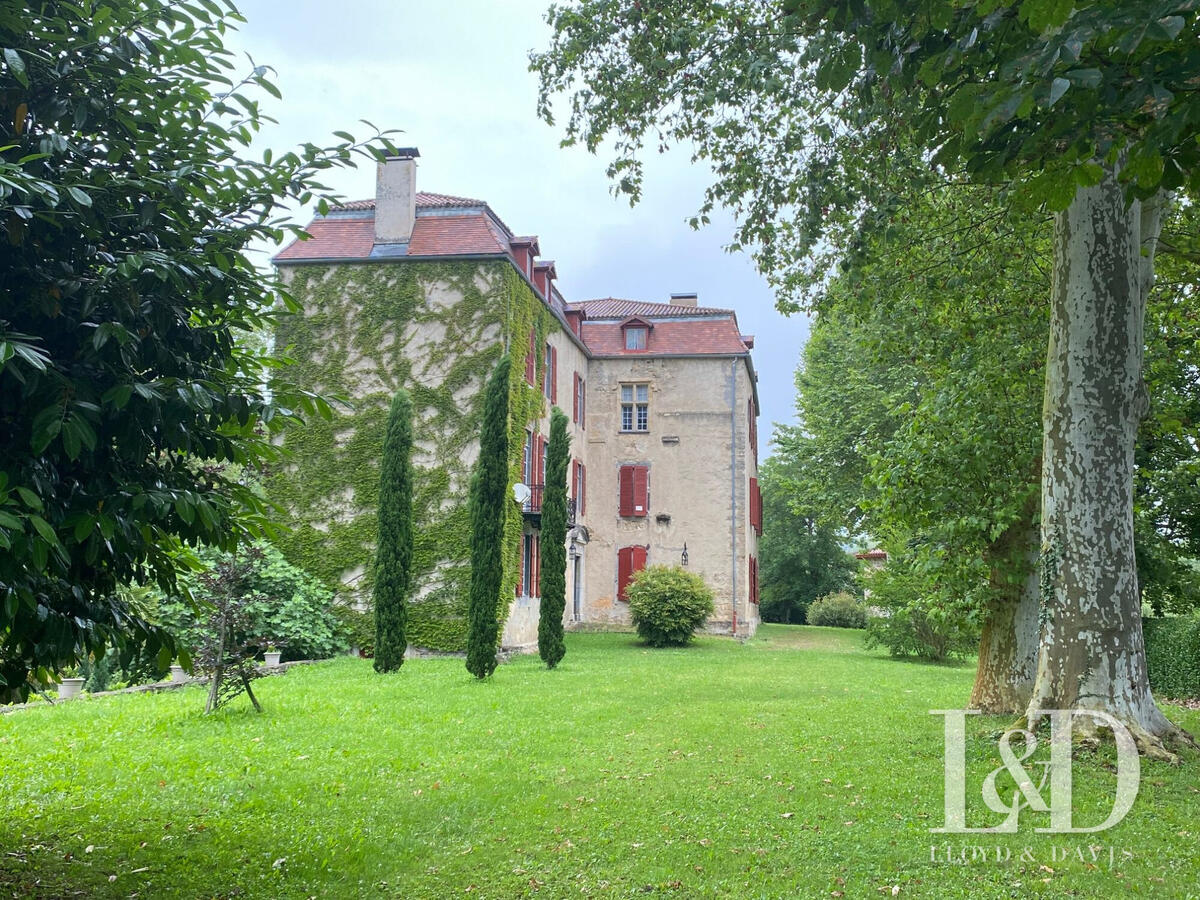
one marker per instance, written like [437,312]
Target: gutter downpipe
[733,480]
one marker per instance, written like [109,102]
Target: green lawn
[798,765]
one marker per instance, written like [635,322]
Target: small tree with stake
[393,557]
[489,492]
[554,540]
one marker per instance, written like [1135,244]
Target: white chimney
[685,300]
[396,197]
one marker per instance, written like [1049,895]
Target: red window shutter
[641,490]
[639,559]
[582,403]
[554,375]
[630,560]
[539,460]
[521,569]
[626,491]
[754,503]
[624,570]
[634,492]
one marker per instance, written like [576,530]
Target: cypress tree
[393,555]
[554,543]
[489,494]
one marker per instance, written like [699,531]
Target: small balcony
[532,508]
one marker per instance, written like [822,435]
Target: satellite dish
[521,493]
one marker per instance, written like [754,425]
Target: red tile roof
[348,232]
[714,335]
[614,308]
[451,235]
[354,238]
[333,238]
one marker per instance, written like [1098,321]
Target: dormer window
[635,333]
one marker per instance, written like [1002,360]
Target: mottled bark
[1008,646]
[1091,653]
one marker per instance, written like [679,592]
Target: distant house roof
[876,553]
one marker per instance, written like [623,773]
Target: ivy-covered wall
[435,328]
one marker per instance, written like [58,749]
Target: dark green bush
[1173,655]
[840,610]
[668,604]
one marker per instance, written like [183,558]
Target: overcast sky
[453,75]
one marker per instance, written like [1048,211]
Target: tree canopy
[801,106]
[128,200]
[802,558]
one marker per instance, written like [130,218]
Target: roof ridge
[618,307]
[427,199]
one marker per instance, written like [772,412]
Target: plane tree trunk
[1008,646]
[1091,652]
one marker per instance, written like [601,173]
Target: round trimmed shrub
[668,605]
[840,610]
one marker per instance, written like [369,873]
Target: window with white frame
[635,407]
[635,337]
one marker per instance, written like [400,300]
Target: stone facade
[696,450]
[692,438]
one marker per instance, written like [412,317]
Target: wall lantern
[573,550]
[683,556]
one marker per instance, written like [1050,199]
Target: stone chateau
[426,291]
